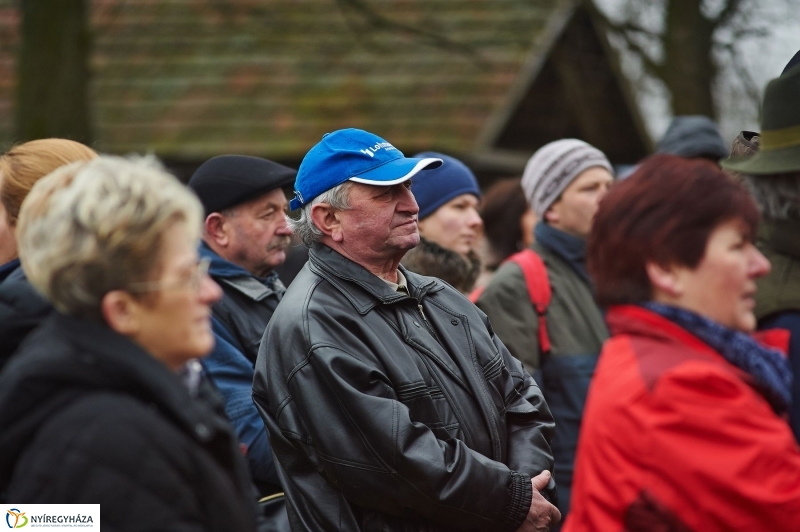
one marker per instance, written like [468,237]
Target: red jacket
[675,438]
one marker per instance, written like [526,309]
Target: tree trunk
[688,70]
[53,71]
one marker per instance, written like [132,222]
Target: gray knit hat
[554,166]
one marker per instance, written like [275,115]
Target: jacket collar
[256,288]
[569,248]
[434,260]
[362,288]
[112,361]
[68,358]
[639,321]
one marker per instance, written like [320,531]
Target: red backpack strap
[535,273]
[475,294]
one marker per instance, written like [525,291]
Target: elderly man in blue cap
[390,403]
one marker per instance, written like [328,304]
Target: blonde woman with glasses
[104,402]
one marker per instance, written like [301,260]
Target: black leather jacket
[395,412]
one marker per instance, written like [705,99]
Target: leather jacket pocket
[428,405]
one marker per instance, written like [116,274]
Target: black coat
[89,417]
[394,412]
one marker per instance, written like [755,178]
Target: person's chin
[746,321]
[204,340]
[411,241]
[203,346]
[277,258]
[462,249]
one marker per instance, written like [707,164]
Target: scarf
[768,367]
[568,247]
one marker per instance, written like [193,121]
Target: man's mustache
[281,242]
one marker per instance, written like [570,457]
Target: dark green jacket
[577,332]
[778,297]
[574,322]
[780,290]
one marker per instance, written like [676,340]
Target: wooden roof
[189,79]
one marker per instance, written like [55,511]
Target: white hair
[89,228]
[338,197]
[778,196]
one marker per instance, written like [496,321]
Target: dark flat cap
[228,180]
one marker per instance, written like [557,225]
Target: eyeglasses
[199,272]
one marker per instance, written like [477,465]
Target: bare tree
[53,71]
[689,44]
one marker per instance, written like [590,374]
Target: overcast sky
[764,57]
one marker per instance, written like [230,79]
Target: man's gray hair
[778,196]
[338,197]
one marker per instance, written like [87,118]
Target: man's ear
[553,214]
[216,229]
[121,312]
[665,280]
[327,219]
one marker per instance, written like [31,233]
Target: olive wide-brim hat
[780,130]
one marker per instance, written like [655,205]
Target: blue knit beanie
[440,185]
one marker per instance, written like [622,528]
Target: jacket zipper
[428,324]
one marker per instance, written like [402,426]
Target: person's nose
[604,188]
[474,219]
[210,292]
[284,229]
[407,202]
[759,264]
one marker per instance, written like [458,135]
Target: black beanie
[228,180]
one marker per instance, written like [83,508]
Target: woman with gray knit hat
[449,224]
[563,182]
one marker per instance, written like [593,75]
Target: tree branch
[375,21]
[726,13]
[627,30]
[742,73]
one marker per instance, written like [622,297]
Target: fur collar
[431,259]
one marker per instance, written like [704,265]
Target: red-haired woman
[684,427]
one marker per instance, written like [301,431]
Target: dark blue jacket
[790,320]
[239,321]
[22,309]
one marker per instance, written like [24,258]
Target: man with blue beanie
[390,403]
[449,224]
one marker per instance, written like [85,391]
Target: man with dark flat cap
[245,237]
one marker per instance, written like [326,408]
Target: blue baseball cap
[353,155]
